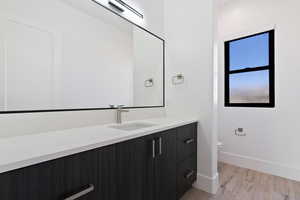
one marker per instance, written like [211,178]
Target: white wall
[21,124]
[189,47]
[272,141]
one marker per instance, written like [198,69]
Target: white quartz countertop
[23,151]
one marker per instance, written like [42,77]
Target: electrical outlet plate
[239,132]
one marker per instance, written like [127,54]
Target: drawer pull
[153,149]
[189,141]
[82,193]
[189,175]
[160,145]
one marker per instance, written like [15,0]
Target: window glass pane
[249,87]
[249,52]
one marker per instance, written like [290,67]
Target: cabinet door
[165,165]
[135,169]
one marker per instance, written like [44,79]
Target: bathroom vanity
[101,162]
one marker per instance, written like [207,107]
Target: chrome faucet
[120,110]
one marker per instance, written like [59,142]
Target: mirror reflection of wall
[64,54]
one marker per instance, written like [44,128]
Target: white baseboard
[260,165]
[207,184]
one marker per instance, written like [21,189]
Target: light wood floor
[243,184]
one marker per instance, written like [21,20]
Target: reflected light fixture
[120,6]
[129,8]
[116,6]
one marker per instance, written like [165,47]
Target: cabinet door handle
[189,175]
[160,145]
[81,193]
[189,141]
[153,149]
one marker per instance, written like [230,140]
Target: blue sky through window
[249,52]
[249,87]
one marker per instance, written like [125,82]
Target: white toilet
[220,146]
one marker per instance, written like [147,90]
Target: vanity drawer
[42,181]
[90,174]
[87,176]
[186,141]
[186,175]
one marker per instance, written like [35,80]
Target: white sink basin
[132,126]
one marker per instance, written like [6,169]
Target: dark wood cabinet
[154,167]
[135,169]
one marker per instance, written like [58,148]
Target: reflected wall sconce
[149,82]
[178,79]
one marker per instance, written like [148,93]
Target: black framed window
[249,71]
